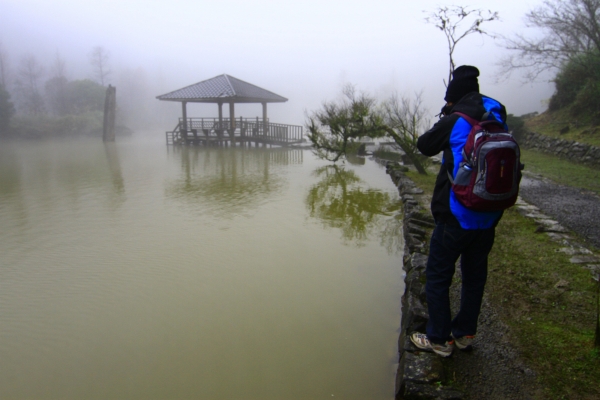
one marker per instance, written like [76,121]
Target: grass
[552,327]
[561,171]
[425,182]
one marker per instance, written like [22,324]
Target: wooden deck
[211,131]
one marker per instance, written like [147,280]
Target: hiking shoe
[420,340]
[464,343]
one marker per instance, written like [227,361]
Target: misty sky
[303,50]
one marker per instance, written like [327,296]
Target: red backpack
[488,177]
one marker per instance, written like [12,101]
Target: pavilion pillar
[232,118]
[265,120]
[184,115]
[219,130]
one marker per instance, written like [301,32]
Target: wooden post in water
[110,108]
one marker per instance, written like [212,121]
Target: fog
[305,51]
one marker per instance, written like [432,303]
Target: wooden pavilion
[225,89]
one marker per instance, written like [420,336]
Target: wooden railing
[204,130]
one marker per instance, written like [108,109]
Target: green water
[139,271]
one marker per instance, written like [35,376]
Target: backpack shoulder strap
[471,121]
[450,177]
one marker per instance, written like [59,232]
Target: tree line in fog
[38,100]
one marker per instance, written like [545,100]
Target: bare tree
[99,59]
[29,74]
[452,19]
[571,28]
[59,67]
[56,88]
[404,121]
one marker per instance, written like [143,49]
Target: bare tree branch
[56,88]
[404,121]
[99,59]
[451,19]
[570,28]
[27,84]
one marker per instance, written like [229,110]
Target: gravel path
[575,209]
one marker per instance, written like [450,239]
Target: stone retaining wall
[574,151]
[420,374]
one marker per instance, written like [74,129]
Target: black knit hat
[464,81]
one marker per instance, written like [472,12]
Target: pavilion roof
[223,89]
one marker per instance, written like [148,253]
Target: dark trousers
[449,242]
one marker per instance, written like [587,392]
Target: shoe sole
[443,353]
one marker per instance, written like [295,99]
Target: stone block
[574,250]
[535,215]
[415,283]
[411,207]
[421,367]
[419,391]
[421,219]
[414,245]
[405,344]
[548,225]
[414,313]
[559,237]
[414,190]
[416,229]
[415,260]
[584,259]
[595,268]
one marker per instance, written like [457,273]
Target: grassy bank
[549,303]
[561,124]
[562,171]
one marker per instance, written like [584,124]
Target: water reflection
[34,174]
[355,160]
[230,182]
[11,196]
[115,166]
[10,171]
[341,201]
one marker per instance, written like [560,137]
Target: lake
[136,270]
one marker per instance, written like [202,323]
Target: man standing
[459,231]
